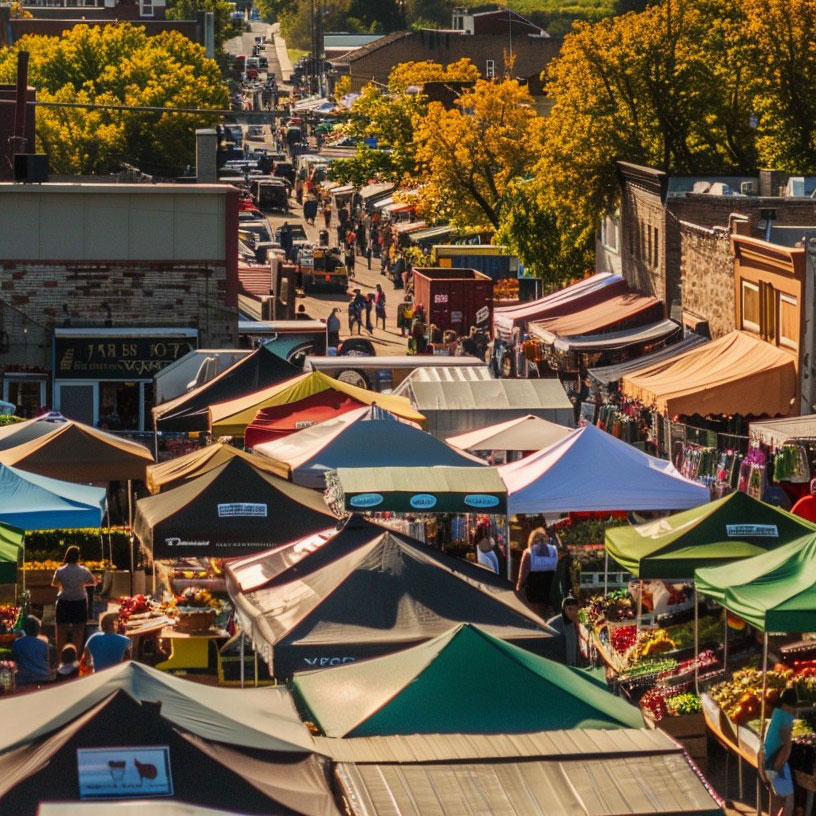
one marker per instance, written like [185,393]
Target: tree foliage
[187,10]
[118,65]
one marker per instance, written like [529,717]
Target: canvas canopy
[630,308]
[410,692]
[278,421]
[615,341]
[367,592]
[231,510]
[361,439]
[190,411]
[182,469]
[611,374]
[231,418]
[62,448]
[11,542]
[735,374]
[593,289]
[776,432]
[527,433]
[590,470]
[408,490]
[32,502]
[728,529]
[774,591]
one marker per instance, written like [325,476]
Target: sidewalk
[282,53]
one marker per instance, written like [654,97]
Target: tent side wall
[449,422]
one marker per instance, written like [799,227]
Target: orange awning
[620,311]
[736,374]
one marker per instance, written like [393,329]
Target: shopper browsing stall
[537,568]
[72,599]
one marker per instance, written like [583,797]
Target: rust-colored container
[454,298]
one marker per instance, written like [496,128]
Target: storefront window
[119,406]
[27,395]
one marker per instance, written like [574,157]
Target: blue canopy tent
[33,502]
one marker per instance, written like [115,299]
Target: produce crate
[686,725]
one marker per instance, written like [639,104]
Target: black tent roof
[263,782]
[190,411]
[231,510]
[367,592]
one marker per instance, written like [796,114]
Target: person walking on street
[355,312]
[369,303]
[379,306]
[333,329]
[350,261]
[566,624]
[327,214]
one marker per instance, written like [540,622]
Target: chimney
[206,147]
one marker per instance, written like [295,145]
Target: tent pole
[696,643]
[762,714]
[130,530]
[606,571]
[640,605]
[507,555]
[725,639]
[243,651]
[255,652]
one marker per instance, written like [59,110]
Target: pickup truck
[322,270]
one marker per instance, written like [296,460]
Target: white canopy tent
[527,433]
[590,470]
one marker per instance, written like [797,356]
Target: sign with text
[124,773]
[116,358]
[241,509]
[752,530]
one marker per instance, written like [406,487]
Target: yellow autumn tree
[467,157]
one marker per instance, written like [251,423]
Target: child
[69,663]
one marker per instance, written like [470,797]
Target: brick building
[102,285]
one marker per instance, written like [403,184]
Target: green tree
[296,20]
[187,10]
[118,65]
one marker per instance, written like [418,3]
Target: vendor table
[189,651]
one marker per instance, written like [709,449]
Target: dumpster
[454,298]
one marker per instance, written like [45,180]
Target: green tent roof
[11,542]
[464,681]
[774,592]
[728,529]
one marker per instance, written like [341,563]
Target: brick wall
[643,241]
[707,268]
[532,54]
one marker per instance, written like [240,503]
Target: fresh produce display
[51,565]
[803,732]
[654,702]
[8,618]
[196,598]
[704,660]
[652,642]
[624,638]
[211,568]
[617,606]
[137,605]
[684,704]
[740,698]
[648,667]
[801,668]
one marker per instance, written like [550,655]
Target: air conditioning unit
[31,168]
[747,188]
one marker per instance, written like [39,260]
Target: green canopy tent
[11,544]
[465,681]
[726,530]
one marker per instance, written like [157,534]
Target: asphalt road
[244,42]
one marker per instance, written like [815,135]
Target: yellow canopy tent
[231,418]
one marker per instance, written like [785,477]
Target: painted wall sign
[481,500]
[423,501]
[752,530]
[241,509]
[124,773]
[366,500]
[116,358]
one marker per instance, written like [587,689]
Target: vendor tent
[61,448]
[190,411]
[776,432]
[278,421]
[231,418]
[363,438]
[453,407]
[615,312]
[33,502]
[728,529]
[774,591]
[233,509]
[735,374]
[11,543]
[527,433]
[591,470]
[617,340]
[367,592]
[183,469]
[610,376]
[412,692]
[408,490]
[594,289]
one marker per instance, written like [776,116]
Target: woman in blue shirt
[777,752]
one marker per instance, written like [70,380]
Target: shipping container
[494,261]
[454,298]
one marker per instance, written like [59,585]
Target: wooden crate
[686,725]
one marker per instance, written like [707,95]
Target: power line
[145,108]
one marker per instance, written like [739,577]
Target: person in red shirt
[806,506]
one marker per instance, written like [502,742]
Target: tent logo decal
[752,531]
[366,500]
[423,501]
[178,542]
[241,509]
[481,500]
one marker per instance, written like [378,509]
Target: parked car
[255,132]
[285,170]
[270,194]
[298,233]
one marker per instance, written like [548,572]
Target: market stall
[527,433]
[232,418]
[11,547]
[231,510]
[367,592]
[190,411]
[362,438]
[439,687]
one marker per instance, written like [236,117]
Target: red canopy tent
[278,421]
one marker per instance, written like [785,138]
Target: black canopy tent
[190,411]
[368,592]
[231,510]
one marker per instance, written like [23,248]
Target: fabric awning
[431,233]
[735,374]
[774,591]
[726,530]
[632,309]
[775,432]
[412,489]
[398,207]
[231,418]
[578,295]
[613,341]
[613,373]
[409,227]
[11,542]
[590,470]
[383,203]
[528,433]
[375,190]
